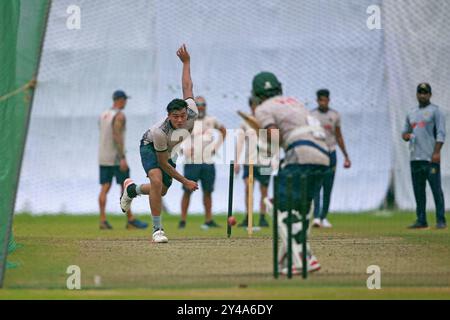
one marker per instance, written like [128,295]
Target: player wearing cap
[330,120]
[425,131]
[112,158]
[199,151]
[159,146]
[303,140]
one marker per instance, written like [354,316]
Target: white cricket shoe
[313,264]
[204,227]
[159,236]
[125,200]
[316,223]
[326,223]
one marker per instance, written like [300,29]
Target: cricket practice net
[309,45]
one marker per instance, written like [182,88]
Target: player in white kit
[330,120]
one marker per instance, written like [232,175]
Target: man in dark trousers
[425,131]
[330,120]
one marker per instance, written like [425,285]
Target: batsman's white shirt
[295,123]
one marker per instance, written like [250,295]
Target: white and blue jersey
[427,126]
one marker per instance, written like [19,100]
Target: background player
[425,131]
[112,156]
[330,120]
[158,151]
[199,163]
[261,173]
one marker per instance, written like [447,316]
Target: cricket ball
[232,221]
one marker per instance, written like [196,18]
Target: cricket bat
[250,120]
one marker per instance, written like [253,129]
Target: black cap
[120,94]
[423,88]
[323,93]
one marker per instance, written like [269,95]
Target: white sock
[156,223]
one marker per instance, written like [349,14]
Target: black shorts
[108,172]
[260,174]
[204,172]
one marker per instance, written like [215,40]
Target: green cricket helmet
[266,85]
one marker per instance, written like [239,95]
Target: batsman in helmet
[302,138]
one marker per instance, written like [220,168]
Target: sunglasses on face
[201,104]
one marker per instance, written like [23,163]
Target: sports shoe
[326,224]
[441,225]
[316,223]
[125,199]
[244,223]
[182,224]
[263,222]
[418,225]
[159,236]
[104,225]
[313,264]
[210,224]
[136,224]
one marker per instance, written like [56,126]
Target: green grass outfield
[199,264]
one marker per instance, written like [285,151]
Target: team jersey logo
[420,124]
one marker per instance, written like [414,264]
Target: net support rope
[29,85]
